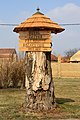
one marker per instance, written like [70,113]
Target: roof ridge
[38,13]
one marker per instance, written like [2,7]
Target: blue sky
[60,11]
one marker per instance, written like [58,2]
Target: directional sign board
[35,49]
[35,41]
[35,45]
[36,35]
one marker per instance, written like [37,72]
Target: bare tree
[71,52]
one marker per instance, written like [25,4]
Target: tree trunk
[39,83]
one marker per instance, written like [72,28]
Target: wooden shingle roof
[7,52]
[39,21]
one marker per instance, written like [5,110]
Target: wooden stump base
[39,83]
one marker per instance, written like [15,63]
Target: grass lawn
[67,92]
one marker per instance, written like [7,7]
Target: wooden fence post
[59,66]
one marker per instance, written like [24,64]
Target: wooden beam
[27,41]
[35,49]
[35,45]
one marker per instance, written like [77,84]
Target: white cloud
[70,38]
[68,13]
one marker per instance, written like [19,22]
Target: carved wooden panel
[34,35]
[35,45]
[35,41]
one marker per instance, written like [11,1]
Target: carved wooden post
[35,34]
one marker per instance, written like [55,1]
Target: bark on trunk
[39,83]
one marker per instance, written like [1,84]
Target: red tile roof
[65,59]
[53,58]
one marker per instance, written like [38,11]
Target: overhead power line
[62,24]
[2,24]
[69,24]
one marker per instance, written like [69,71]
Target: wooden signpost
[35,40]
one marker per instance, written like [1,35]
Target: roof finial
[38,9]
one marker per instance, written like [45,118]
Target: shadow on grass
[63,100]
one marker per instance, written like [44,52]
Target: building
[65,59]
[7,54]
[53,58]
[76,57]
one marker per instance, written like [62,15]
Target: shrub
[12,74]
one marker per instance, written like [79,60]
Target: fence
[65,70]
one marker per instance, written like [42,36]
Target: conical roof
[39,21]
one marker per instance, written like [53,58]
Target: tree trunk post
[39,83]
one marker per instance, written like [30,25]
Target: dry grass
[67,92]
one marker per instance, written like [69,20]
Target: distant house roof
[65,59]
[76,57]
[53,58]
[7,52]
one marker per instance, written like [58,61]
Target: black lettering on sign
[35,35]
